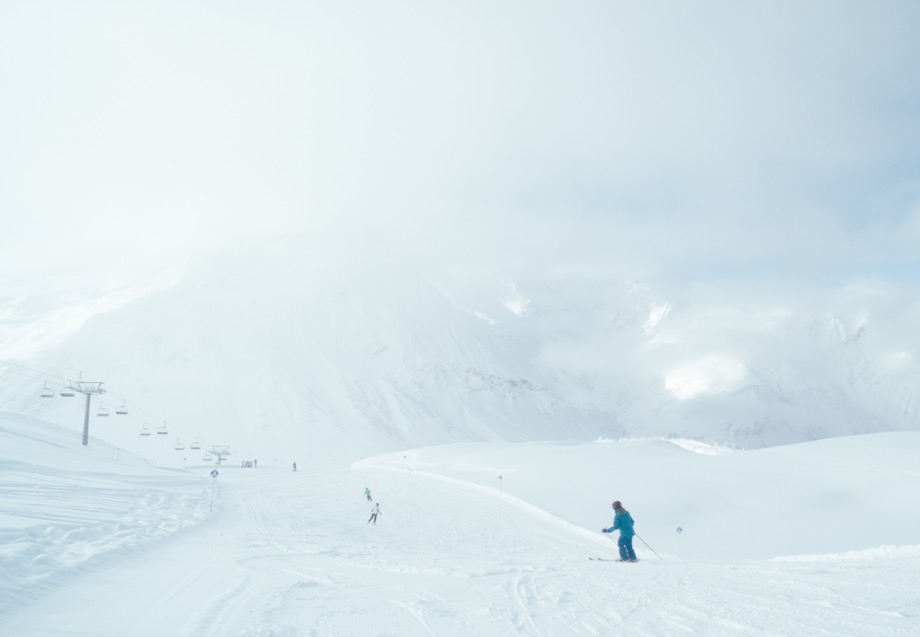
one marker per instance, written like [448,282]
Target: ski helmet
[616,504]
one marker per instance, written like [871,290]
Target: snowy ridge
[509,500]
[700,447]
[865,555]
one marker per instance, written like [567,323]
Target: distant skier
[295,466]
[367,494]
[374,513]
[623,522]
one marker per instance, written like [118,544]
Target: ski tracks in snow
[292,555]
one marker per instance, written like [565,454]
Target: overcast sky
[714,140]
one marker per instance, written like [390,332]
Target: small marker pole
[213,483]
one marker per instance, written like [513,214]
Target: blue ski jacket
[624,522]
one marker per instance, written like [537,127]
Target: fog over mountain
[331,230]
[285,349]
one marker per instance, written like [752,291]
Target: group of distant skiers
[375,511]
[622,522]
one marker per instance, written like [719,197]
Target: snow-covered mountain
[283,347]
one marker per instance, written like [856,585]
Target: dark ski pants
[373,519]
[626,548]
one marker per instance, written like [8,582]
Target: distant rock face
[335,359]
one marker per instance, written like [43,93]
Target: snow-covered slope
[473,539]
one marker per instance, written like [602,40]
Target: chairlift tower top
[87,387]
[221,451]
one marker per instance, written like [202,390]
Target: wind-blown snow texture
[473,539]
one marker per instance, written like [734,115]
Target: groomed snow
[812,539]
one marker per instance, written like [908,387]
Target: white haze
[769,141]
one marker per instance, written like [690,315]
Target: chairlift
[121,411]
[47,392]
[207,457]
[145,430]
[103,411]
[67,392]
[194,444]
[179,445]
[161,430]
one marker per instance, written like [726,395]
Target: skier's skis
[607,559]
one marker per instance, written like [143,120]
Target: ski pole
[643,541]
[649,547]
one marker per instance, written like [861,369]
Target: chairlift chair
[121,411]
[161,431]
[67,392]
[179,445]
[145,430]
[47,392]
[103,411]
[194,444]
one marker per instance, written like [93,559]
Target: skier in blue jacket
[623,522]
